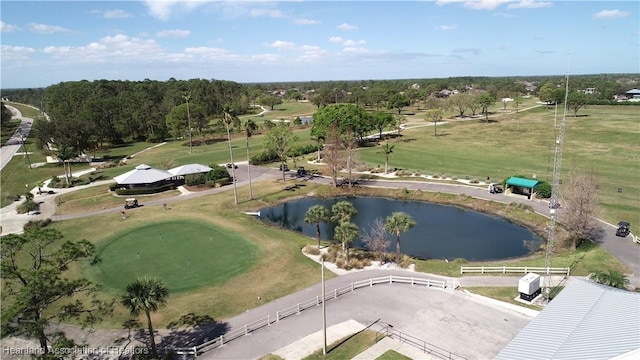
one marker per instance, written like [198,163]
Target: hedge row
[139,191]
[269,156]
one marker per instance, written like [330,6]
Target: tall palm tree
[342,211]
[386,149]
[146,295]
[249,128]
[228,118]
[397,223]
[66,153]
[347,232]
[319,139]
[315,215]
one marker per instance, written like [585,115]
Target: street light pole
[187,97]
[324,316]
[24,147]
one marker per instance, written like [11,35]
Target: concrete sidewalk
[309,344]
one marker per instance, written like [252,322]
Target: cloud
[120,48]
[212,53]
[345,26]
[356,50]
[176,33]
[282,45]
[267,58]
[610,14]
[353,42]
[303,21]
[476,4]
[266,12]
[46,29]
[116,14]
[529,4]
[15,52]
[164,9]
[336,39]
[7,28]
[505,15]
[448,27]
[471,51]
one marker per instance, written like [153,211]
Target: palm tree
[66,153]
[228,118]
[249,128]
[315,215]
[397,223]
[386,150]
[342,211]
[611,278]
[347,232]
[146,295]
[319,139]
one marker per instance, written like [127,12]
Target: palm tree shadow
[192,330]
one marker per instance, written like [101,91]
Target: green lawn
[605,140]
[185,255]
[392,355]
[347,347]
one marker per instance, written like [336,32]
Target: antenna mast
[555,192]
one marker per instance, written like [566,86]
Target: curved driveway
[12,146]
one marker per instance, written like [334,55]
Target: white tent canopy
[143,174]
[189,169]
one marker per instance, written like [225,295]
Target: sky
[47,42]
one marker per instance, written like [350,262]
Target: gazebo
[189,169]
[143,176]
[521,185]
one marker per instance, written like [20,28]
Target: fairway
[184,254]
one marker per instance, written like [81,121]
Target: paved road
[445,318]
[12,146]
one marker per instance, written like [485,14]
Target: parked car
[623,229]
[301,171]
[229,166]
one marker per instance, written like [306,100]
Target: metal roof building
[525,183]
[189,169]
[585,321]
[142,175]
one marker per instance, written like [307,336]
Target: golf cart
[495,188]
[623,229]
[131,203]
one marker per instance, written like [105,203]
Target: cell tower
[555,191]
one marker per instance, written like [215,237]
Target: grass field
[392,355]
[185,255]
[346,348]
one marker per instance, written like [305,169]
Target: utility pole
[187,97]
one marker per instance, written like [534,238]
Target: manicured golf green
[184,254]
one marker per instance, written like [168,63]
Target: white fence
[299,307]
[513,269]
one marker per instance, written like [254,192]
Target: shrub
[302,150]
[36,224]
[27,206]
[266,156]
[312,250]
[405,261]
[55,179]
[404,173]
[474,181]
[194,179]
[460,261]
[543,190]
[376,170]
[340,263]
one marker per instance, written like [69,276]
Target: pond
[441,231]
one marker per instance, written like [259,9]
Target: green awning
[525,183]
